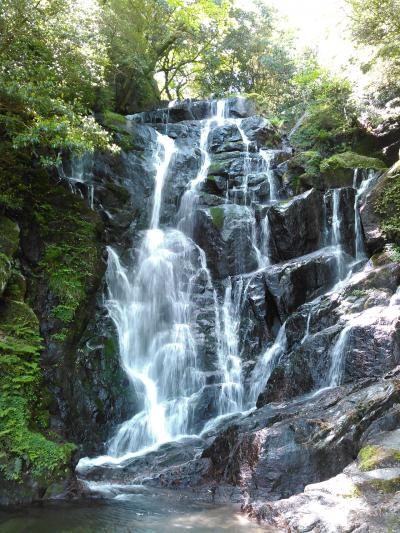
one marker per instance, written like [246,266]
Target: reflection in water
[139,513]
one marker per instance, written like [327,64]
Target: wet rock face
[300,280]
[296,226]
[224,232]
[368,305]
[188,110]
[275,451]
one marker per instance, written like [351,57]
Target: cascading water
[336,236]
[268,157]
[265,365]
[151,310]
[336,370]
[227,327]
[361,190]
[81,173]
[190,196]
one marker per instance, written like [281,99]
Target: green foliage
[148,38]
[310,160]
[376,24]
[320,109]
[372,457]
[387,206]
[70,260]
[22,447]
[52,63]
[251,57]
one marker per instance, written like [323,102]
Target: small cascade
[189,199]
[361,189]
[265,365]
[268,157]
[265,242]
[165,150]
[336,236]
[307,331]
[80,176]
[338,358]
[247,160]
[228,323]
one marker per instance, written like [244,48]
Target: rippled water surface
[149,512]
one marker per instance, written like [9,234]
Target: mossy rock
[120,193]
[309,160]
[372,457]
[5,271]
[386,486]
[18,314]
[16,287]
[338,170]
[113,120]
[9,236]
[217,215]
[216,168]
[387,206]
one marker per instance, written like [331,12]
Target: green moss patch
[24,449]
[9,236]
[387,486]
[217,215]
[351,160]
[372,457]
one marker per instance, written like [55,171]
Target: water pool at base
[138,513]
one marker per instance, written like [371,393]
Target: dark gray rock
[300,280]
[225,234]
[260,131]
[296,226]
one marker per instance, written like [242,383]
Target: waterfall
[166,147]
[152,313]
[81,173]
[265,242]
[247,159]
[230,364]
[307,332]
[189,199]
[152,308]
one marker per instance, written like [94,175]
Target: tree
[251,58]
[376,23]
[163,38]
[52,63]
